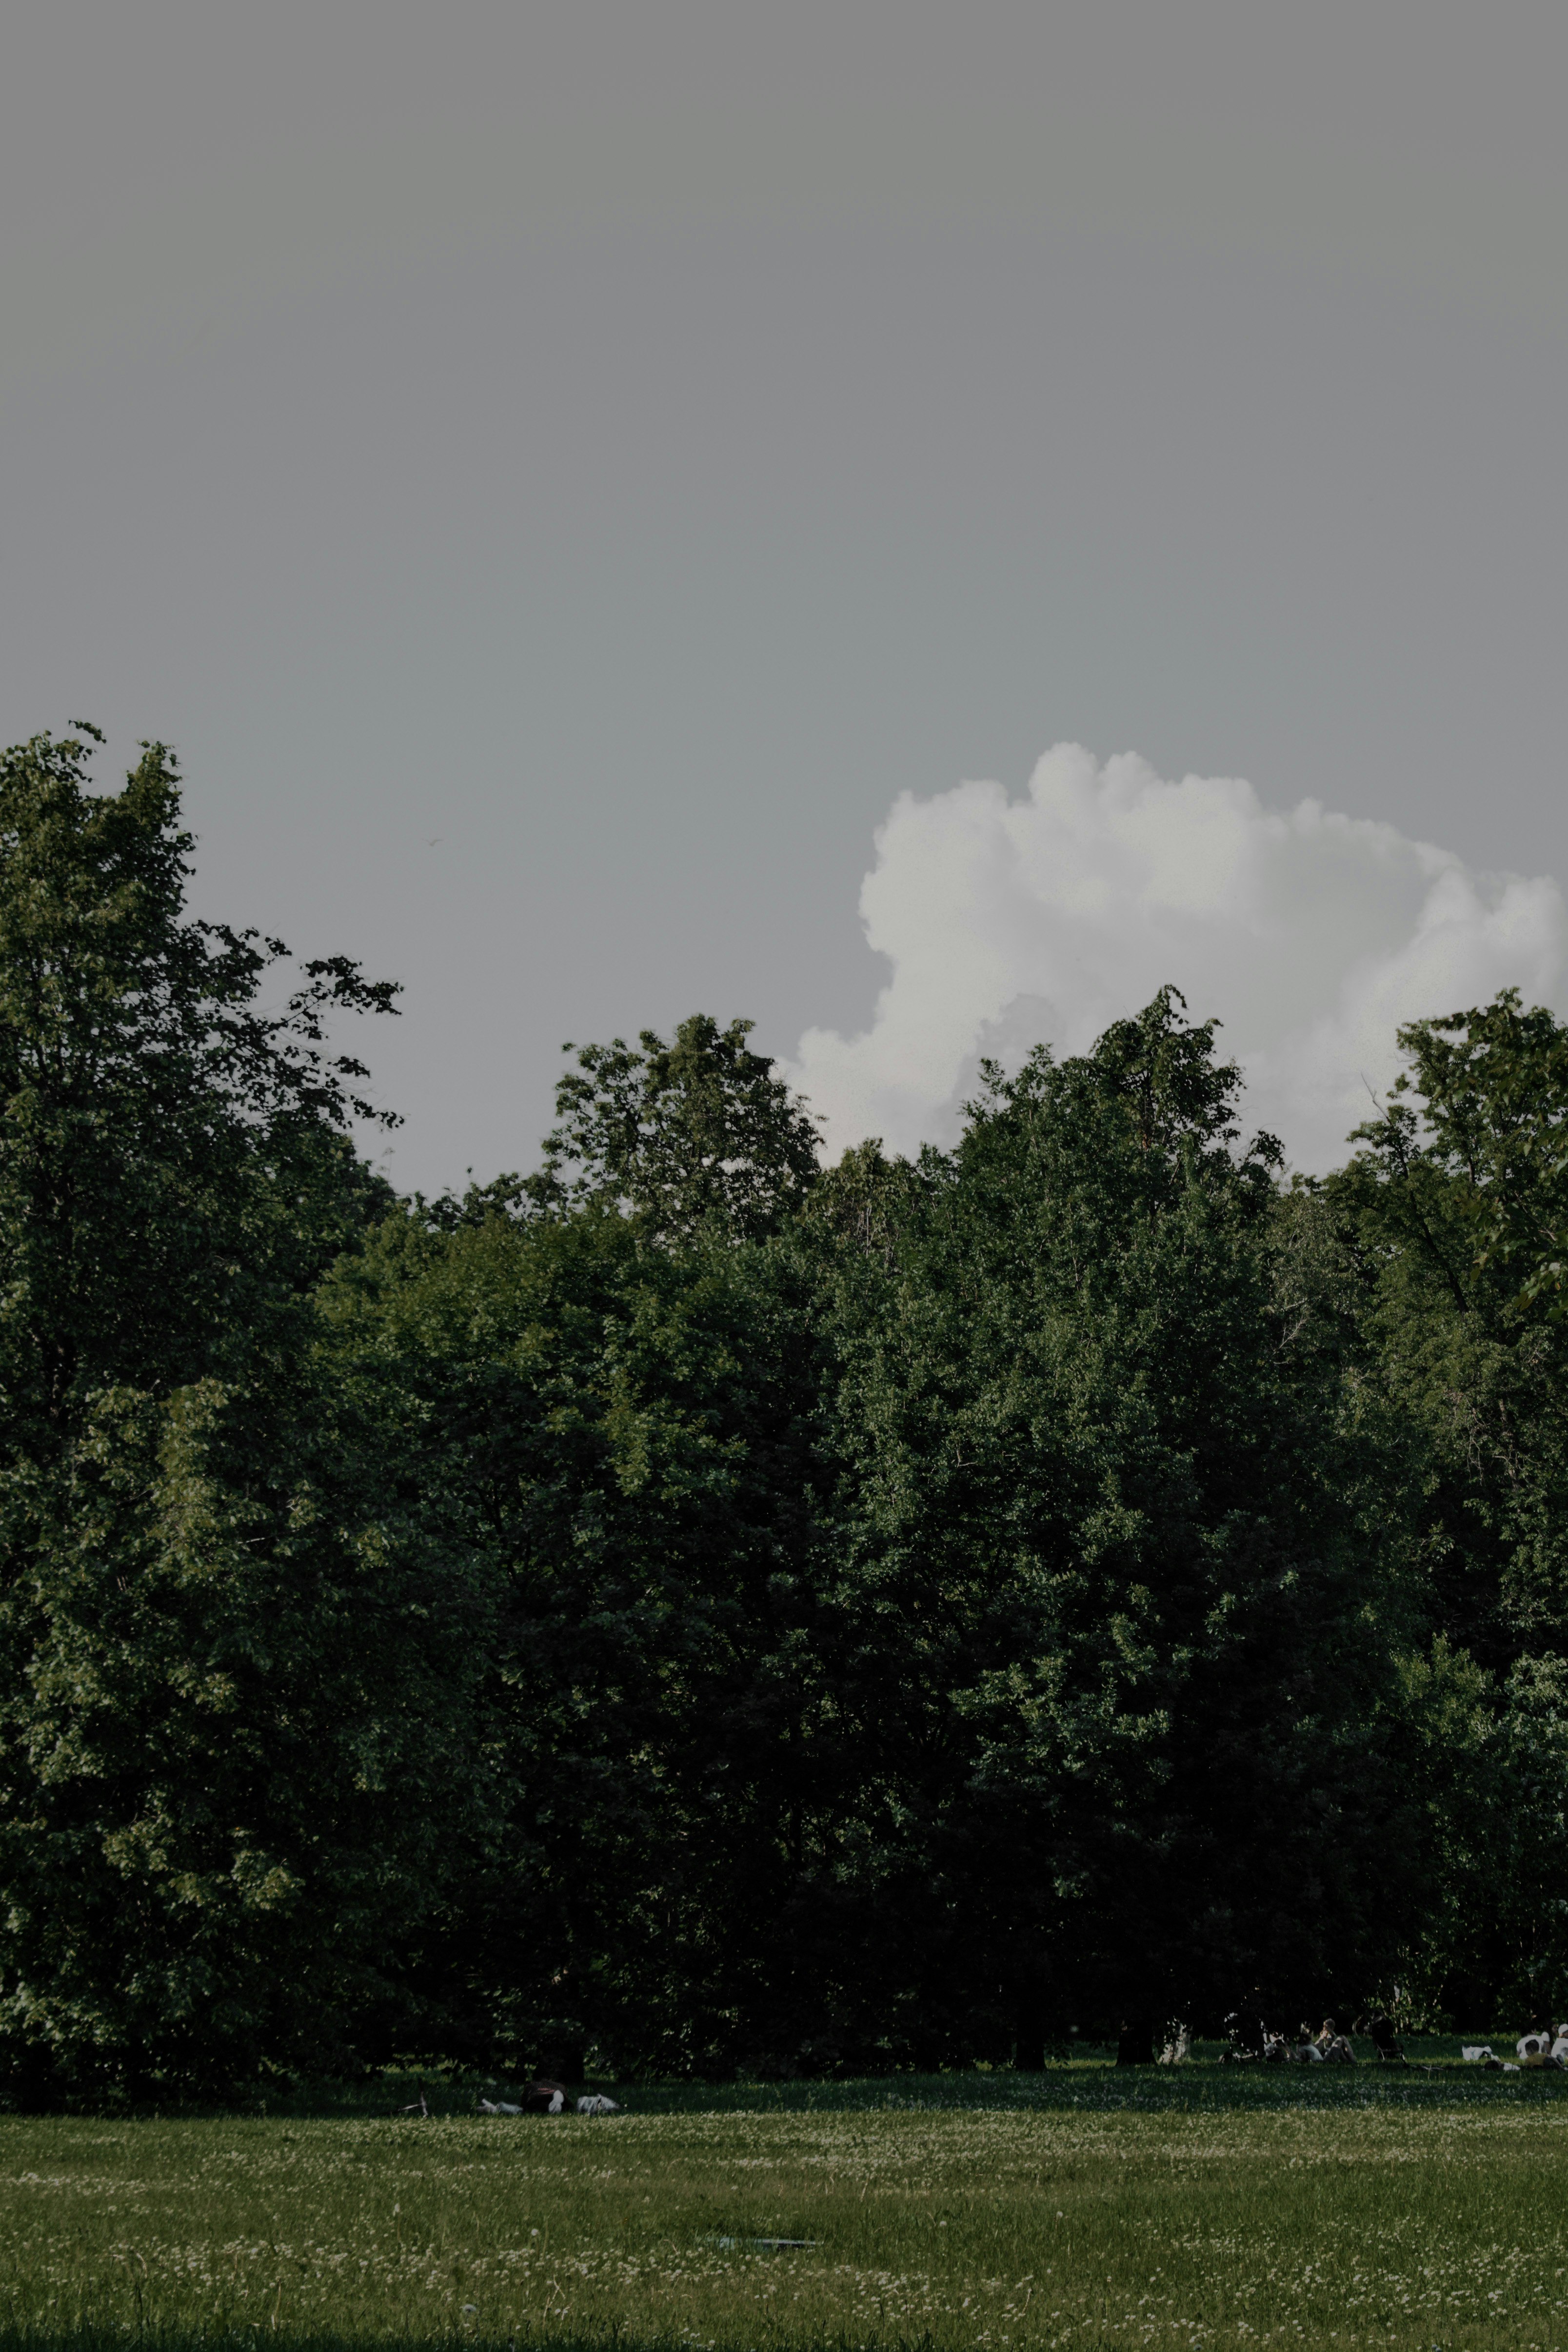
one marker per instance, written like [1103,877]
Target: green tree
[1451,1214]
[1121,1605]
[232,1676]
[238,1740]
[624,1432]
[174,1169]
[679,1134]
[1451,1208]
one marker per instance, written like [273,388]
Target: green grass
[1213,2207]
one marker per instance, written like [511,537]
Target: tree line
[719,1610]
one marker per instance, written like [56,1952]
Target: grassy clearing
[1218,2209]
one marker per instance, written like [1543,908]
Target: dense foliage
[725,1611]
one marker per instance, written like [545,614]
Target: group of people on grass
[1249,2039]
[1543,2045]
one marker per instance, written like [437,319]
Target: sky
[912,524]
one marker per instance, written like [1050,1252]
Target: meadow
[1083,2207]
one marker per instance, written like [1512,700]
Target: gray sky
[558,473]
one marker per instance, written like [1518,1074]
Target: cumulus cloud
[1310,935]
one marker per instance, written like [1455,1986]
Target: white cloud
[1311,936]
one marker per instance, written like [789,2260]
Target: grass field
[1084,2208]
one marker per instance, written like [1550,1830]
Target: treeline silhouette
[698,1607]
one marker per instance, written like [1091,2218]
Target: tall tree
[175,1165]
[231,1677]
[626,1432]
[681,1134]
[1121,1609]
[1455,1208]
[1454,1215]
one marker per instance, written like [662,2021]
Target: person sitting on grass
[1385,2040]
[1332,2046]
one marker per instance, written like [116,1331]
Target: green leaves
[1123,1610]
[623,1434]
[204,1664]
[741,1612]
[174,1169]
[244,1740]
[1476,1177]
[679,1134]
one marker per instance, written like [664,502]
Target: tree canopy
[175,1159]
[679,1134]
[228,1645]
[725,1611]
